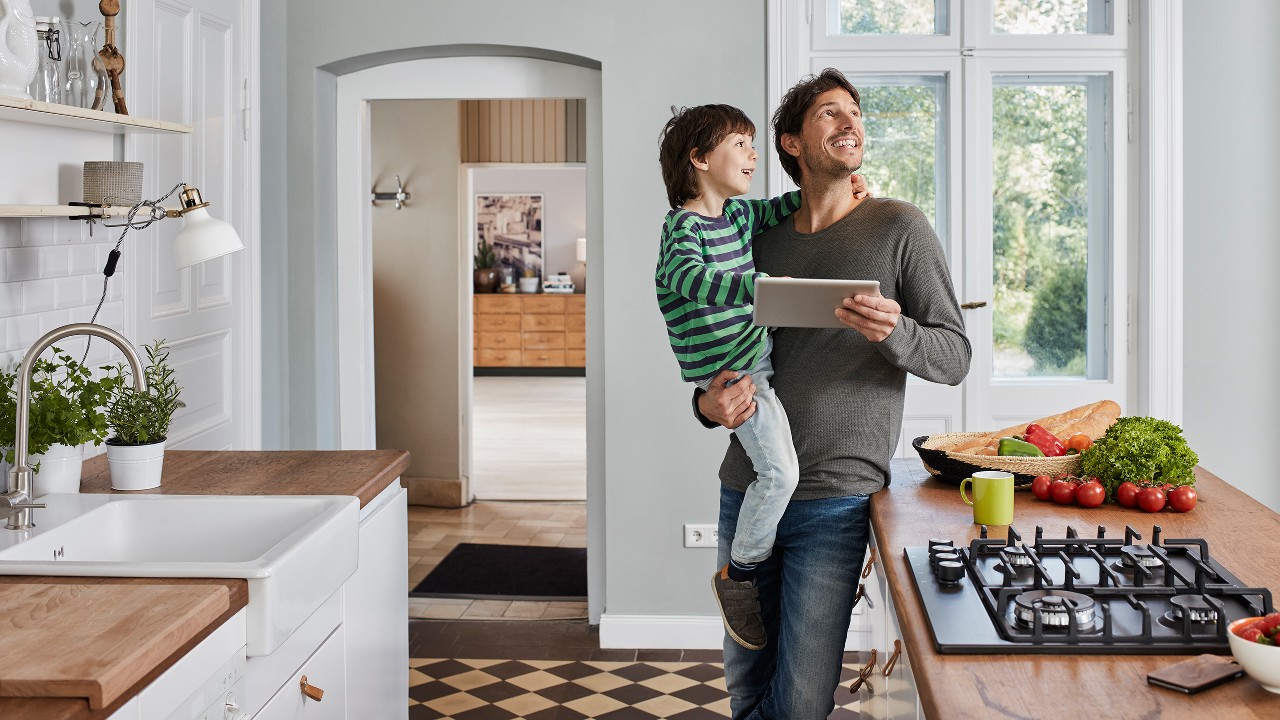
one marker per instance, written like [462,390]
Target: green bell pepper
[1013,447]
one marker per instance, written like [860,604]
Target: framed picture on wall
[512,224]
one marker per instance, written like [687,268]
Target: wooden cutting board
[95,641]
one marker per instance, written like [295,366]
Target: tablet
[806,302]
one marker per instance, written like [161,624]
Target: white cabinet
[322,676]
[892,693]
[376,611]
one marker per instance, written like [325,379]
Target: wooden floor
[433,532]
[529,438]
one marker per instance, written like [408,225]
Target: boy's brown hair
[788,119]
[694,132]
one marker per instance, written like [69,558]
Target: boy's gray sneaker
[740,610]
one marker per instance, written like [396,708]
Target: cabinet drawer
[543,358]
[543,340]
[575,323]
[576,304]
[497,358]
[498,323]
[575,358]
[543,305]
[325,670]
[542,323]
[496,304]
[575,340]
[498,340]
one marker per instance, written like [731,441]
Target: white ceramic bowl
[1262,662]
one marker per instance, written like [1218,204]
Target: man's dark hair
[788,119]
[695,131]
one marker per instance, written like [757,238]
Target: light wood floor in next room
[529,438]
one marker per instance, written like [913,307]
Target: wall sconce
[201,238]
[582,250]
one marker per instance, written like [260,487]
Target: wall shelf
[43,113]
[39,211]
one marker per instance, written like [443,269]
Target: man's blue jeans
[806,596]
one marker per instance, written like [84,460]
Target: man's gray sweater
[843,393]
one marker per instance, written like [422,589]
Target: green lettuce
[1141,450]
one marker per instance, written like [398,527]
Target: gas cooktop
[1079,595]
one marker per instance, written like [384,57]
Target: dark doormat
[508,572]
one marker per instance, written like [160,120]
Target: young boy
[706,290]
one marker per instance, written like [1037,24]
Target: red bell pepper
[1049,444]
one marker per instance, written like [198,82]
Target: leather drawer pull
[863,674]
[310,690]
[871,561]
[893,659]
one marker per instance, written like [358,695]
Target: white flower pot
[59,470]
[135,467]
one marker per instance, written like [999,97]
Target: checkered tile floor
[571,690]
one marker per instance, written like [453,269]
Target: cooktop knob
[950,571]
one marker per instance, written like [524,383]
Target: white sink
[295,550]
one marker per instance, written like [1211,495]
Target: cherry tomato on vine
[1151,499]
[1127,494]
[1182,499]
[1040,487]
[1063,491]
[1091,494]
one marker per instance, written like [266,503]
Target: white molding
[690,632]
[1160,317]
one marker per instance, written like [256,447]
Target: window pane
[1044,310]
[904,159]
[1048,17]
[890,17]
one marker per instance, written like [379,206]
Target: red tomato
[1091,494]
[1151,499]
[1127,494]
[1040,487]
[1182,499]
[1063,491]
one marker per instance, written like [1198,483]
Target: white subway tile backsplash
[37,296]
[10,299]
[84,259]
[21,264]
[10,232]
[39,231]
[21,332]
[53,319]
[55,261]
[68,292]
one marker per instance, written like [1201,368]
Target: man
[843,392]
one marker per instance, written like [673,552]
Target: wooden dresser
[530,330]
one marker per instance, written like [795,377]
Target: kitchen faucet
[18,499]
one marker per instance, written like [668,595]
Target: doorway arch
[449,73]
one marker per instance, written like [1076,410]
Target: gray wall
[1231,102]
[659,466]
[415,283]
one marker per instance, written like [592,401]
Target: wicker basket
[112,183]
[954,467]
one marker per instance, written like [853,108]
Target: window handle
[974,305]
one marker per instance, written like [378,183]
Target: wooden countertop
[363,474]
[45,708]
[1242,534]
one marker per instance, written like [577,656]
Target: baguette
[1092,419]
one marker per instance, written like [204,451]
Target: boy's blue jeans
[806,597]
[766,437]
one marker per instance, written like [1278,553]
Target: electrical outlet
[701,536]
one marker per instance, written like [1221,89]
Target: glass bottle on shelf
[84,73]
[48,84]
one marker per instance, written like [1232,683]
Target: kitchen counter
[363,474]
[1242,534]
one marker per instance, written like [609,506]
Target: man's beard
[825,167]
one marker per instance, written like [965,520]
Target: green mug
[992,497]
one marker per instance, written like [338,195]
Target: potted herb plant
[65,412]
[140,420]
[486,272]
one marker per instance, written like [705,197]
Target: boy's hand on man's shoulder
[860,188]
